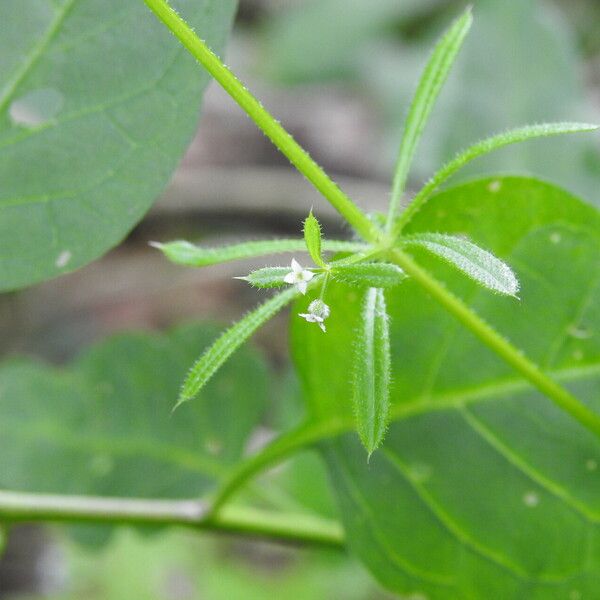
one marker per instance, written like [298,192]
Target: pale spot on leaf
[531,499]
[63,259]
[495,186]
[579,332]
[591,464]
[421,472]
[36,108]
[555,238]
[578,355]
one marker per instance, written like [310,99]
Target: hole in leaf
[36,108]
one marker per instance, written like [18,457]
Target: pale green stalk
[16,507]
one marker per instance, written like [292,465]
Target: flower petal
[296,266]
[302,286]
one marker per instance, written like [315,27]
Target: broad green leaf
[104,425]
[228,342]
[432,80]
[483,488]
[184,253]
[371,381]
[476,263]
[269,277]
[377,274]
[313,239]
[97,105]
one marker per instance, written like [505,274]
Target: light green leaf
[103,426]
[371,382]
[268,277]
[485,147]
[376,274]
[184,253]
[433,78]
[478,264]
[313,239]
[228,342]
[473,453]
[97,105]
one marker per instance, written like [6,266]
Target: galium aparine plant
[379,261]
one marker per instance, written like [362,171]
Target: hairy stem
[292,528]
[264,120]
[502,347]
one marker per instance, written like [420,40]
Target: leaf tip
[157,245]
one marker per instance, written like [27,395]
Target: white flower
[299,276]
[318,311]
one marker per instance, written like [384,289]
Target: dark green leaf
[97,104]
[483,488]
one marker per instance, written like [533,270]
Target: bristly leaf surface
[229,341]
[313,239]
[191,255]
[268,277]
[478,264]
[430,85]
[371,383]
[375,274]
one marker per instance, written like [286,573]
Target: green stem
[286,444]
[267,123]
[491,338]
[293,528]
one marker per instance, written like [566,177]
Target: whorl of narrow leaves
[269,277]
[430,85]
[185,253]
[228,342]
[313,239]
[381,275]
[372,361]
[478,264]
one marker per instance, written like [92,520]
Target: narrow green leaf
[313,239]
[430,85]
[371,391]
[229,341]
[185,253]
[269,277]
[478,264]
[479,149]
[381,275]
